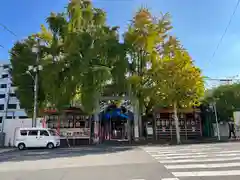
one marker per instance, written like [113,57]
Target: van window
[44,133]
[53,132]
[33,133]
[23,132]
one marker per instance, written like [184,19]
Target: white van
[36,137]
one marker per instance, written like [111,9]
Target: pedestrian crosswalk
[199,160]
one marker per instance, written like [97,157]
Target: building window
[3,86]
[1,119]
[12,95]
[12,106]
[1,106]
[2,96]
[6,66]
[5,76]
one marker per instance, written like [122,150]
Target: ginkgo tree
[84,52]
[80,55]
[178,83]
[144,41]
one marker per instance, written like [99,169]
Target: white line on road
[208,166]
[210,153]
[233,154]
[170,179]
[183,150]
[182,157]
[177,154]
[199,160]
[207,173]
[163,157]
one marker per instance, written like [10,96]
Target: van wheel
[21,146]
[50,145]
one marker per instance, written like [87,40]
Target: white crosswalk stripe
[199,160]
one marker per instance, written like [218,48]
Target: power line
[8,30]
[226,29]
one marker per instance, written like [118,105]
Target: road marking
[170,179]
[198,160]
[182,151]
[182,157]
[207,173]
[192,166]
[177,154]
[193,152]
[221,155]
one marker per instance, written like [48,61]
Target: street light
[35,68]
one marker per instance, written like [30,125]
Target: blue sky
[199,24]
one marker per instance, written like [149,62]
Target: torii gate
[134,109]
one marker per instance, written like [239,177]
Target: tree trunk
[176,123]
[96,122]
[136,119]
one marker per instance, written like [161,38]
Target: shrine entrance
[115,120]
[116,124]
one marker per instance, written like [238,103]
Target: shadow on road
[41,154]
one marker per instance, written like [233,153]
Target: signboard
[149,130]
[236,117]
[76,132]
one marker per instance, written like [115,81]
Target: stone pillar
[136,120]
[96,122]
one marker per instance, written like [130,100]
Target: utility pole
[214,108]
[35,69]
[36,90]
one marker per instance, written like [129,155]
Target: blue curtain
[115,113]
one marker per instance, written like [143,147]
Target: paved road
[118,163]
[187,162]
[199,162]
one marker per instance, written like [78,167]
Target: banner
[236,117]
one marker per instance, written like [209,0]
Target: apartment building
[9,104]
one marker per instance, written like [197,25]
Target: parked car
[36,137]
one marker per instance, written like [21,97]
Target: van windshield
[53,132]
